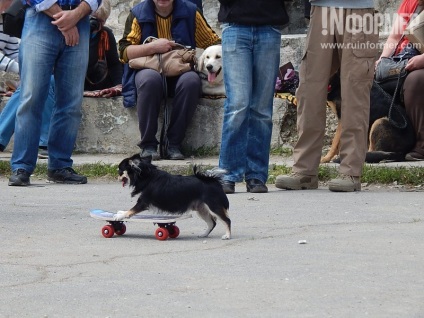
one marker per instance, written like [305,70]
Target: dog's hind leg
[335,145]
[204,213]
[223,216]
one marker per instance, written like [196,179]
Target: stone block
[108,127]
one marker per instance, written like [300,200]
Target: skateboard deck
[166,223]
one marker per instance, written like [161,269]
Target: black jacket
[114,66]
[253,12]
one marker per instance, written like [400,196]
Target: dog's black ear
[147,159]
[134,163]
[123,164]
[135,156]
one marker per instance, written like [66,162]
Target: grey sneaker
[150,151]
[228,187]
[345,183]
[174,153]
[20,177]
[296,181]
[65,175]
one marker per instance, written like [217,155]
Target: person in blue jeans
[55,40]
[251,39]
[8,116]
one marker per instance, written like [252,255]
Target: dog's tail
[379,156]
[215,173]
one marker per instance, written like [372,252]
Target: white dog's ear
[201,62]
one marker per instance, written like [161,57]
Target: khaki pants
[354,53]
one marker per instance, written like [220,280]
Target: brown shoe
[345,183]
[296,181]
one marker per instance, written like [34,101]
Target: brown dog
[389,140]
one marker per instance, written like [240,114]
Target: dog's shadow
[151,237]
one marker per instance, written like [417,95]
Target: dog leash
[164,142]
[394,106]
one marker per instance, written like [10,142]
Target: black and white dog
[162,192]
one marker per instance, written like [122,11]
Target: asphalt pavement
[310,253]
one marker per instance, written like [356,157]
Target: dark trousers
[185,90]
[413,96]
[307,9]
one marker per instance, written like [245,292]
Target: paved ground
[363,255]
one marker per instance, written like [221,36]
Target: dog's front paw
[120,215]
[225,237]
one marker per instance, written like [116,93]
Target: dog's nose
[209,67]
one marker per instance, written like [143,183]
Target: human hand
[106,93]
[65,20]
[91,94]
[71,36]
[162,45]
[111,92]
[415,63]
[376,64]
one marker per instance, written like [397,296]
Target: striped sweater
[204,34]
[9,47]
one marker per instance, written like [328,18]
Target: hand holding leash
[162,45]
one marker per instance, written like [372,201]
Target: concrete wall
[298,25]
[108,127]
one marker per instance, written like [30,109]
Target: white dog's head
[210,63]
[209,66]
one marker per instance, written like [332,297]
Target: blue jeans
[8,116]
[43,52]
[251,56]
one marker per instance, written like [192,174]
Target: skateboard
[166,223]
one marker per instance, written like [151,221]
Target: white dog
[209,66]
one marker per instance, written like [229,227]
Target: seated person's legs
[149,99]
[413,97]
[186,95]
